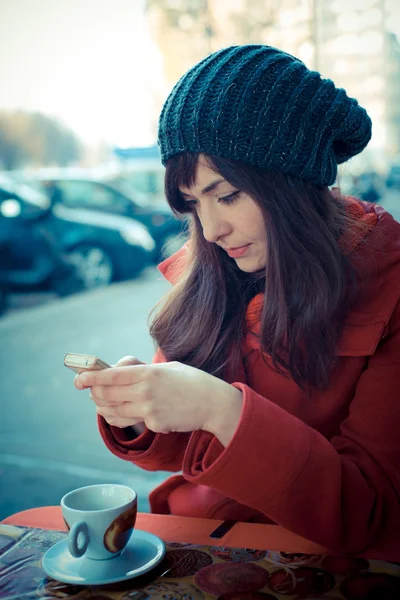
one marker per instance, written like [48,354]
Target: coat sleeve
[150,451]
[342,493]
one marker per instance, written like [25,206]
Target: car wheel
[171,244]
[93,264]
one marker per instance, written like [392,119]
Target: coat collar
[174,266]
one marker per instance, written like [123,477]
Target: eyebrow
[211,186]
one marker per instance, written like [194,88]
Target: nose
[214,225]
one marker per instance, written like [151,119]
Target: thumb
[127,361]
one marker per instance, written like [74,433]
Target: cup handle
[78,550]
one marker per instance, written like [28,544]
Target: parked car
[80,191]
[102,248]
[30,257]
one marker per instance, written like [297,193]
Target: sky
[90,63]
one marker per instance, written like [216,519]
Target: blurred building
[393,93]
[346,40]
[356,49]
[187,30]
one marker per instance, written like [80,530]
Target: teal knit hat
[264,107]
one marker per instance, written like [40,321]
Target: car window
[107,198]
[75,194]
[78,194]
[147,182]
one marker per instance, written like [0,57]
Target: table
[252,561]
[185,529]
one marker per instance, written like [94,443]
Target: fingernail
[82,380]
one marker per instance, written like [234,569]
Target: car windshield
[122,187]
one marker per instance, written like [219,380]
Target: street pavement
[49,442]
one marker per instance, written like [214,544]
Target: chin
[251,268]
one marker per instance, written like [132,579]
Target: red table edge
[172,528]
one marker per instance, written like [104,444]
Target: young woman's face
[229,217]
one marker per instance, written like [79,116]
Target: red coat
[325,467]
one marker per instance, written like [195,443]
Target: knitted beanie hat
[264,107]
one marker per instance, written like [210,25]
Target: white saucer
[143,552]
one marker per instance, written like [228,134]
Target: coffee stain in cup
[118,532]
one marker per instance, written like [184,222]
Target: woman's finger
[118,422]
[113,418]
[127,361]
[112,395]
[106,395]
[124,411]
[126,375]
[97,398]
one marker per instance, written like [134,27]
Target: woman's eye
[230,198]
[190,202]
[224,199]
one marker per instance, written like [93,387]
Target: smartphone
[84,362]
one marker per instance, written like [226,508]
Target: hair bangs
[180,172]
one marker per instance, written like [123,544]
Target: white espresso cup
[100,519]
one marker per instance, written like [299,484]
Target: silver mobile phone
[84,362]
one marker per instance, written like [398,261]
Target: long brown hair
[308,283]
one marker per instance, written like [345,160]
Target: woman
[275,387]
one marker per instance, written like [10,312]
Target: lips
[237,252]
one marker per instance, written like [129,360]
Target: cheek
[259,238]
[256,231]
[261,233]
[261,230]
[251,221]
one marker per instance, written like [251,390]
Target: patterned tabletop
[194,572]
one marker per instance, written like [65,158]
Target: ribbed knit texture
[264,107]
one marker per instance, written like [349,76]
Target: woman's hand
[166,396]
[138,428]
